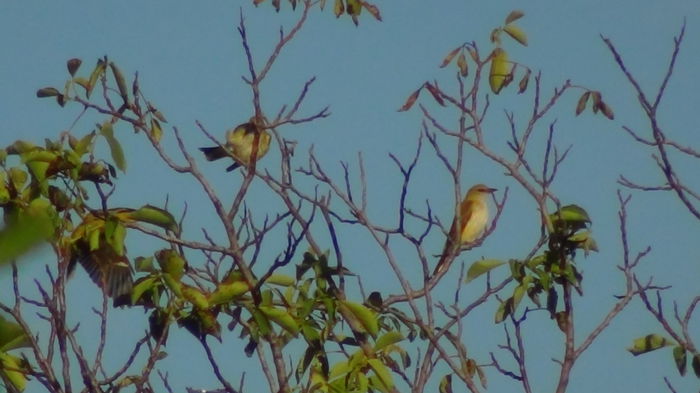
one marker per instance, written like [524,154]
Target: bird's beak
[491,190]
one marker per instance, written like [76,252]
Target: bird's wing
[465,214]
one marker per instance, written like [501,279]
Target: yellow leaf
[338,8]
[517,34]
[462,64]
[500,69]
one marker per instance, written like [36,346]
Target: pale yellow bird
[473,217]
[241,143]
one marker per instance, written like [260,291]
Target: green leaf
[195,296]
[282,318]
[224,293]
[503,311]
[387,339]
[280,279]
[648,343]
[144,265]
[174,285]
[96,73]
[156,216]
[30,230]
[115,147]
[140,287]
[680,356]
[572,216]
[367,317]
[121,82]
[12,336]
[482,266]
[171,262]
[11,367]
[696,364]
[382,373]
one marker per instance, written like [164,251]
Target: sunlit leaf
[224,293]
[156,130]
[571,214]
[338,8]
[171,262]
[12,336]
[280,279]
[365,316]
[648,343]
[12,368]
[500,69]
[156,216]
[142,264]
[115,147]
[462,65]
[387,339]
[140,287]
[482,266]
[680,357]
[96,73]
[382,372]
[281,317]
[195,296]
[516,33]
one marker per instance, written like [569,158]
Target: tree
[299,305]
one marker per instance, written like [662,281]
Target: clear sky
[190,61]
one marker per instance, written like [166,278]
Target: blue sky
[190,60]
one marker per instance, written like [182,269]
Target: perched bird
[473,216]
[242,143]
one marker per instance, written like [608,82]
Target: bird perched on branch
[468,226]
[244,143]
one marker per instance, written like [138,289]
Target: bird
[102,254]
[243,142]
[468,225]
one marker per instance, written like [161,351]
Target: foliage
[59,193]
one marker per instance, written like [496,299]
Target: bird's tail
[214,153]
[446,258]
